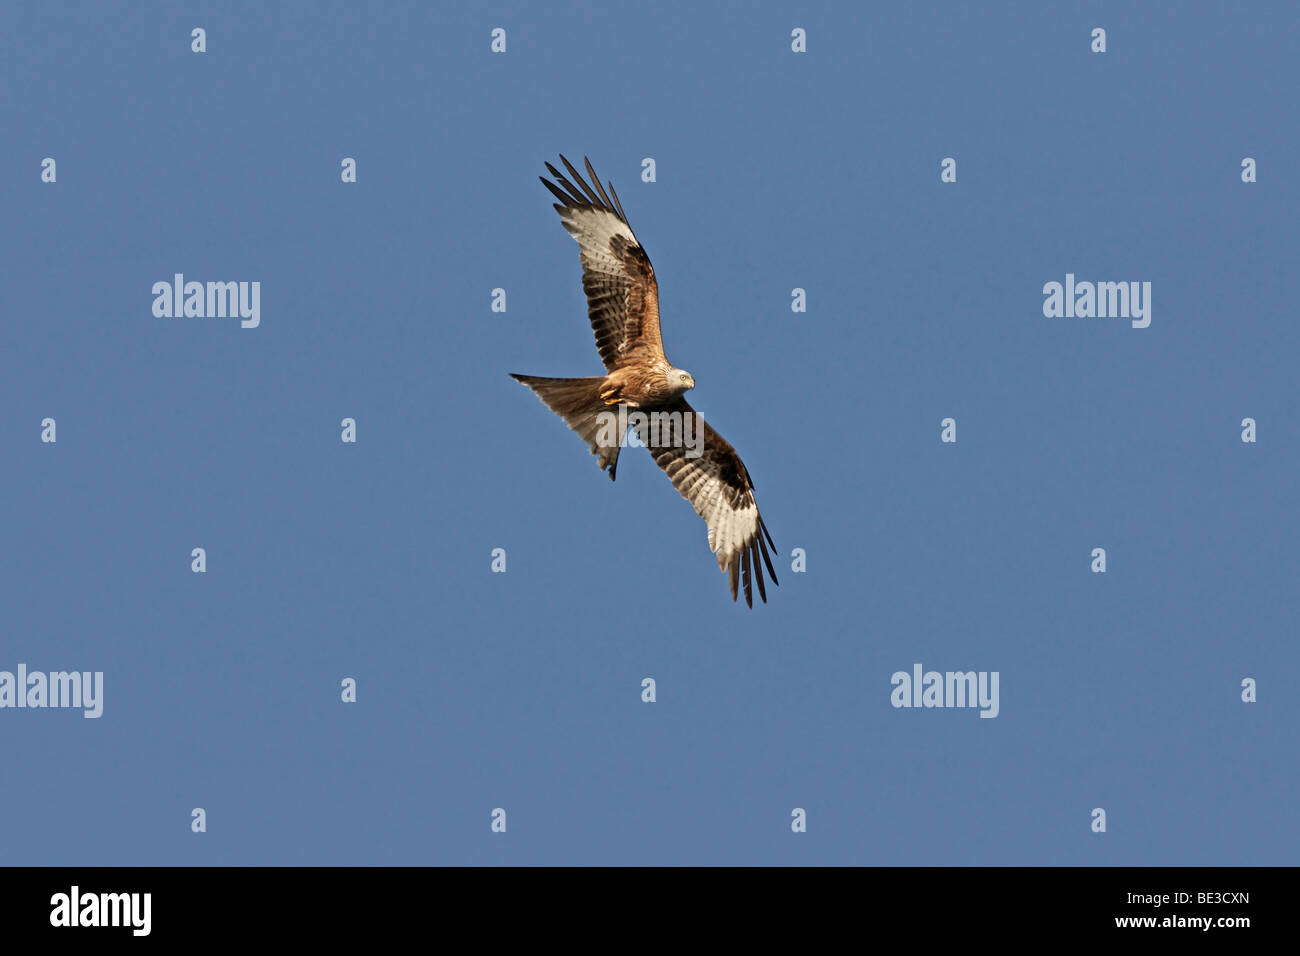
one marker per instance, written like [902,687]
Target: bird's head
[681,380]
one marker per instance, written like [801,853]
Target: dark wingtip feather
[617,205]
[768,561]
[582,183]
[566,192]
[599,188]
[558,193]
[758,568]
[749,589]
[582,194]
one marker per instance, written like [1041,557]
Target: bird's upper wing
[718,487]
[622,295]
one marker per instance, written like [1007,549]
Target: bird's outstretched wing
[622,295]
[718,487]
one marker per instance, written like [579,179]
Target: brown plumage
[642,389]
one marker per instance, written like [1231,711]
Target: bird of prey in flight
[641,388]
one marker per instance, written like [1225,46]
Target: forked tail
[578,402]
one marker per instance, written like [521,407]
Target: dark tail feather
[578,402]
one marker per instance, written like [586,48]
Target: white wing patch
[593,228]
[730,529]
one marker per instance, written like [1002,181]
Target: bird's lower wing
[709,474]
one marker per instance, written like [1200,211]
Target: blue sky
[774,171]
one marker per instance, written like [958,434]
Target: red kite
[642,389]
